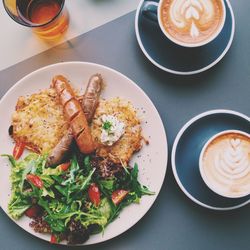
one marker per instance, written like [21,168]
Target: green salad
[72,200]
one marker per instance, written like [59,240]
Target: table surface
[174,222]
[88,14]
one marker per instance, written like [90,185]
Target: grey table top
[174,222]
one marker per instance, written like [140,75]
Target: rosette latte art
[226,164]
[191,21]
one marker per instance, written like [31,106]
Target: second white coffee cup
[224,163]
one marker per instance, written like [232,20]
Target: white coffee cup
[224,163]
[152,10]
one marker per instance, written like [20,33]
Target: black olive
[10,130]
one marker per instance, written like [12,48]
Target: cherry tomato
[35,180]
[94,194]
[53,239]
[33,211]
[18,150]
[119,195]
[64,166]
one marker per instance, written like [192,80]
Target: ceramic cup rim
[191,45]
[204,148]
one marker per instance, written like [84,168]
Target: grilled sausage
[89,104]
[91,96]
[74,114]
[60,150]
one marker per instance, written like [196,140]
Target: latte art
[191,21]
[225,164]
[182,12]
[233,162]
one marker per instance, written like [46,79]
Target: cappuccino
[225,164]
[192,22]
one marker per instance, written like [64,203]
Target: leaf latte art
[191,21]
[226,164]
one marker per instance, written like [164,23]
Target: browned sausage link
[77,125]
[81,141]
[61,83]
[65,97]
[61,149]
[82,134]
[91,96]
[73,109]
[92,93]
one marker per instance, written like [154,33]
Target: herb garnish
[107,126]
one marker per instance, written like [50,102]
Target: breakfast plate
[176,59]
[151,169]
[186,151]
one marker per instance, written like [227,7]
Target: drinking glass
[49,19]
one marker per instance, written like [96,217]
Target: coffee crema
[226,164]
[192,21]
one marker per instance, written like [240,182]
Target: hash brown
[130,142]
[39,121]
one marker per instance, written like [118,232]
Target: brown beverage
[41,12]
[49,18]
[192,21]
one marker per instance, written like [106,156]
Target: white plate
[152,159]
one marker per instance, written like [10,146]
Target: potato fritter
[130,142]
[39,121]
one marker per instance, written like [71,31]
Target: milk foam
[184,11]
[194,31]
[233,162]
[226,164]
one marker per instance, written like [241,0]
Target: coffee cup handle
[149,10]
